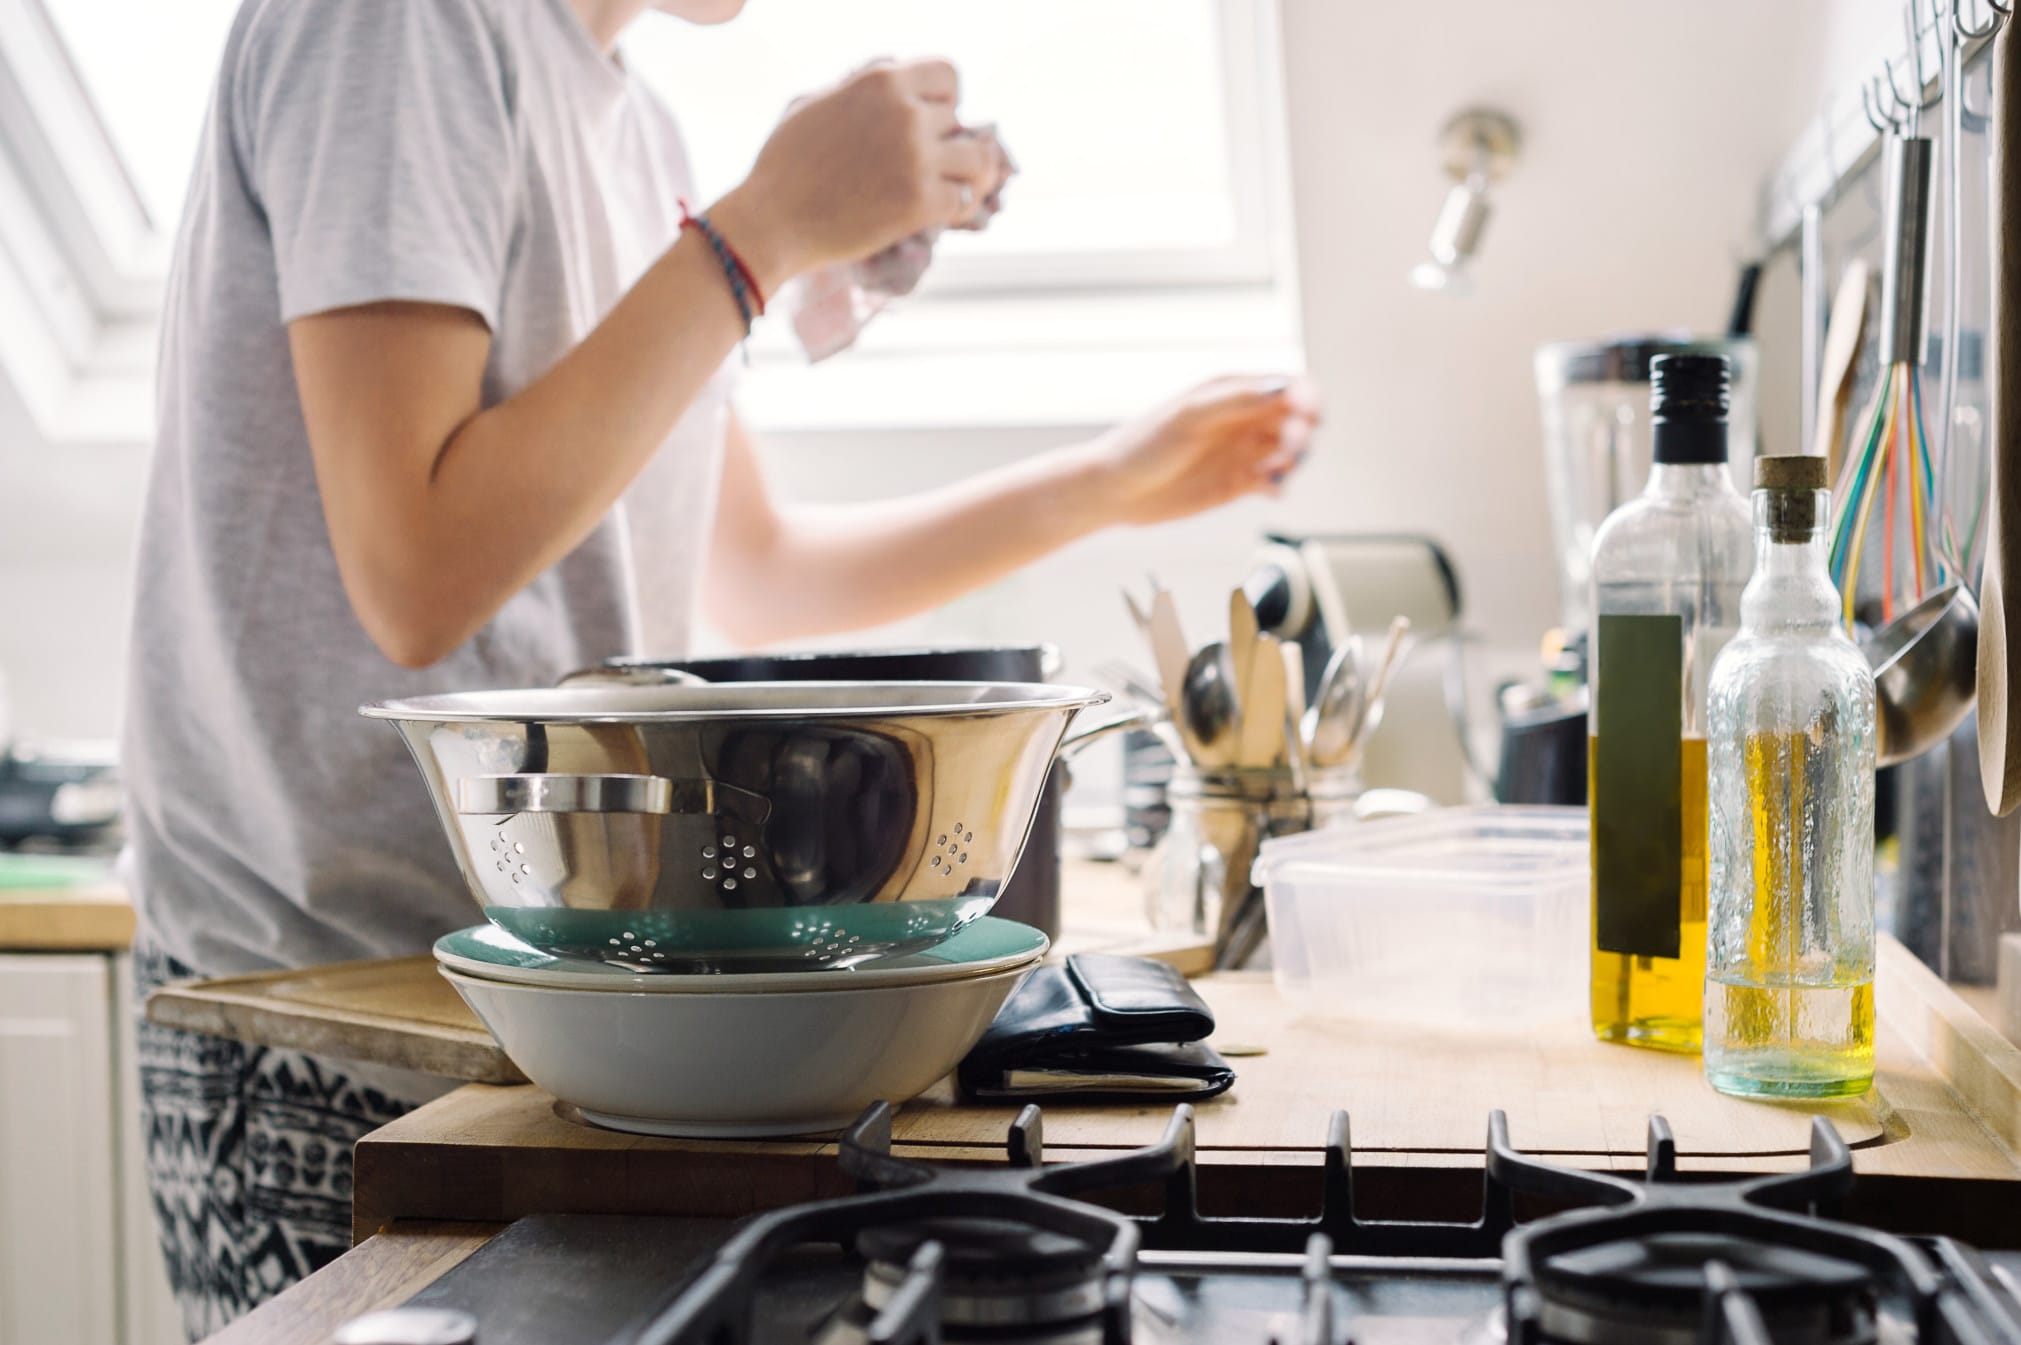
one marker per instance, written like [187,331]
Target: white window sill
[1060,361]
[1045,361]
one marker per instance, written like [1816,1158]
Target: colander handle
[653,795]
[497,794]
[1086,731]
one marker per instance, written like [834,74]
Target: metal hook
[1870,104]
[1903,106]
[1965,34]
[1915,56]
[1945,53]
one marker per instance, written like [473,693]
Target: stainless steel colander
[697,827]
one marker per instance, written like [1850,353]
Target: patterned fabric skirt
[248,1159]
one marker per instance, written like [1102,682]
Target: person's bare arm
[438,512]
[440,509]
[784,571]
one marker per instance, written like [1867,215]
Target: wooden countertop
[383,1272]
[92,916]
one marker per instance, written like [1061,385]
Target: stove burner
[998,1248]
[1653,1288]
[1747,1261]
[1007,1253]
[993,1272]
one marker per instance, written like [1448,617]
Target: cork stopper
[1789,471]
[1793,484]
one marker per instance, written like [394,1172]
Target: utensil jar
[1198,879]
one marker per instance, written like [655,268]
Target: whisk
[1895,444]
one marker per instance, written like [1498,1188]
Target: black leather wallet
[1099,1028]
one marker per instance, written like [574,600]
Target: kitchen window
[1145,241]
[1132,121]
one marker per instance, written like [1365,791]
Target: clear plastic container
[1463,917]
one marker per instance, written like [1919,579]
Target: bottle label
[1638,773]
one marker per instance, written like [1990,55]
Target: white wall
[1648,128]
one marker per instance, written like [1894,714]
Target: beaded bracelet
[743,285]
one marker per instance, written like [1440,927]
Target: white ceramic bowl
[737,1065]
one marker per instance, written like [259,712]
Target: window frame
[82,258]
[72,168]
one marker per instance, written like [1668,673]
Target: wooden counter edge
[383,1271]
[89,918]
[1971,1055]
[233,1007]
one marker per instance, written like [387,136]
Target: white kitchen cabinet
[77,1255]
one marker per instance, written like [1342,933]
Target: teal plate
[984,946]
[760,939]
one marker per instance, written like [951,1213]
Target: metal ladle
[1925,665]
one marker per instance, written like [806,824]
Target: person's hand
[851,171]
[1218,442]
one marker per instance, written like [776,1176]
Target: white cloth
[831,306]
[478,153]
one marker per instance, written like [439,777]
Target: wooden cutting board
[1943,1123]
[1425,1090]
[1409,1089]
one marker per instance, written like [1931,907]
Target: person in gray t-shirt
[444,403]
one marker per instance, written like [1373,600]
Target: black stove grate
[1760,1260]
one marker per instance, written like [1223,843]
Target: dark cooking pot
[1033,893]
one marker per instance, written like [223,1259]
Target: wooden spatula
[2000,592]
[1168,648]
[1847,326]
[1242,632]
[1263,715]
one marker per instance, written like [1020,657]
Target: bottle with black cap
[1668,569]
[1789,976]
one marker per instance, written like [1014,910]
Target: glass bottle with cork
[1668,570]
[1789,1007]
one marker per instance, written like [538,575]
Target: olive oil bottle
[1668,570]
[1790,966]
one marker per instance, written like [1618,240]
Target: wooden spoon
[2000,592]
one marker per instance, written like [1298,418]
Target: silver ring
[967,196]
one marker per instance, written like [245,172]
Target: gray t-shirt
[480,153]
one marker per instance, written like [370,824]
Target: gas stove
[1024,1254]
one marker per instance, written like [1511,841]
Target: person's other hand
[853,170]
[1220,441]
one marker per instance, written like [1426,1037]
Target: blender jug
[1595,402]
